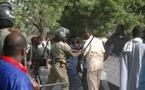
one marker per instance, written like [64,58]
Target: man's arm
[22,83]
[71,52]
[75,53]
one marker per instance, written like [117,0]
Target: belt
[58,60]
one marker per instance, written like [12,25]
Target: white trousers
[93,79]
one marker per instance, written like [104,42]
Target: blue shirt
[12,78]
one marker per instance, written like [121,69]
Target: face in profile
[86,35]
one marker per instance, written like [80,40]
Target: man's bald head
[14,43]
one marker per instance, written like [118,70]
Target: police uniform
[58,71]
[38,59]
[58,51]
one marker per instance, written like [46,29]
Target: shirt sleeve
[22,83]
[102,46]
[66,47]
[25,86]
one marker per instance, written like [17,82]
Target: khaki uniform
[94,56]
[58,51]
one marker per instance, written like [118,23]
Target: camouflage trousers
[58,73]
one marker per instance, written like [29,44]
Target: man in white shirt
[131,59]
[94,56]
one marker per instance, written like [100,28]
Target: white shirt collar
[137,39]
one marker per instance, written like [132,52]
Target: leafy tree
[2,0]
[38,14]
[102,16]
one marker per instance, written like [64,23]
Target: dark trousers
[113,87]
[84,79]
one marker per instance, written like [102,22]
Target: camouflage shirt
[59,49]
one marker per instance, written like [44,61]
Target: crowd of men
[68,58]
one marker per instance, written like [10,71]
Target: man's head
[87,34]
[35,41]
[7,18]
[62,33]
[15,46]
[137,31]
[120,29]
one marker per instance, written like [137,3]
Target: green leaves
[101,16]
[38,14]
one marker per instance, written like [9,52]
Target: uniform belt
[56,60]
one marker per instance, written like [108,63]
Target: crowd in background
[89,62]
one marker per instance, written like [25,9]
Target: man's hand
[62,63]
[35,85]
[83,50]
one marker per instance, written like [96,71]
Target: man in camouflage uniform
[60,50]
[39,56]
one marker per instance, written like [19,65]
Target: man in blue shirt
[13,75]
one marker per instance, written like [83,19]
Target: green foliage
[38,14]
[3,0]
[102,16]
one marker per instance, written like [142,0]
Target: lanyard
[89,43]
[15,63]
